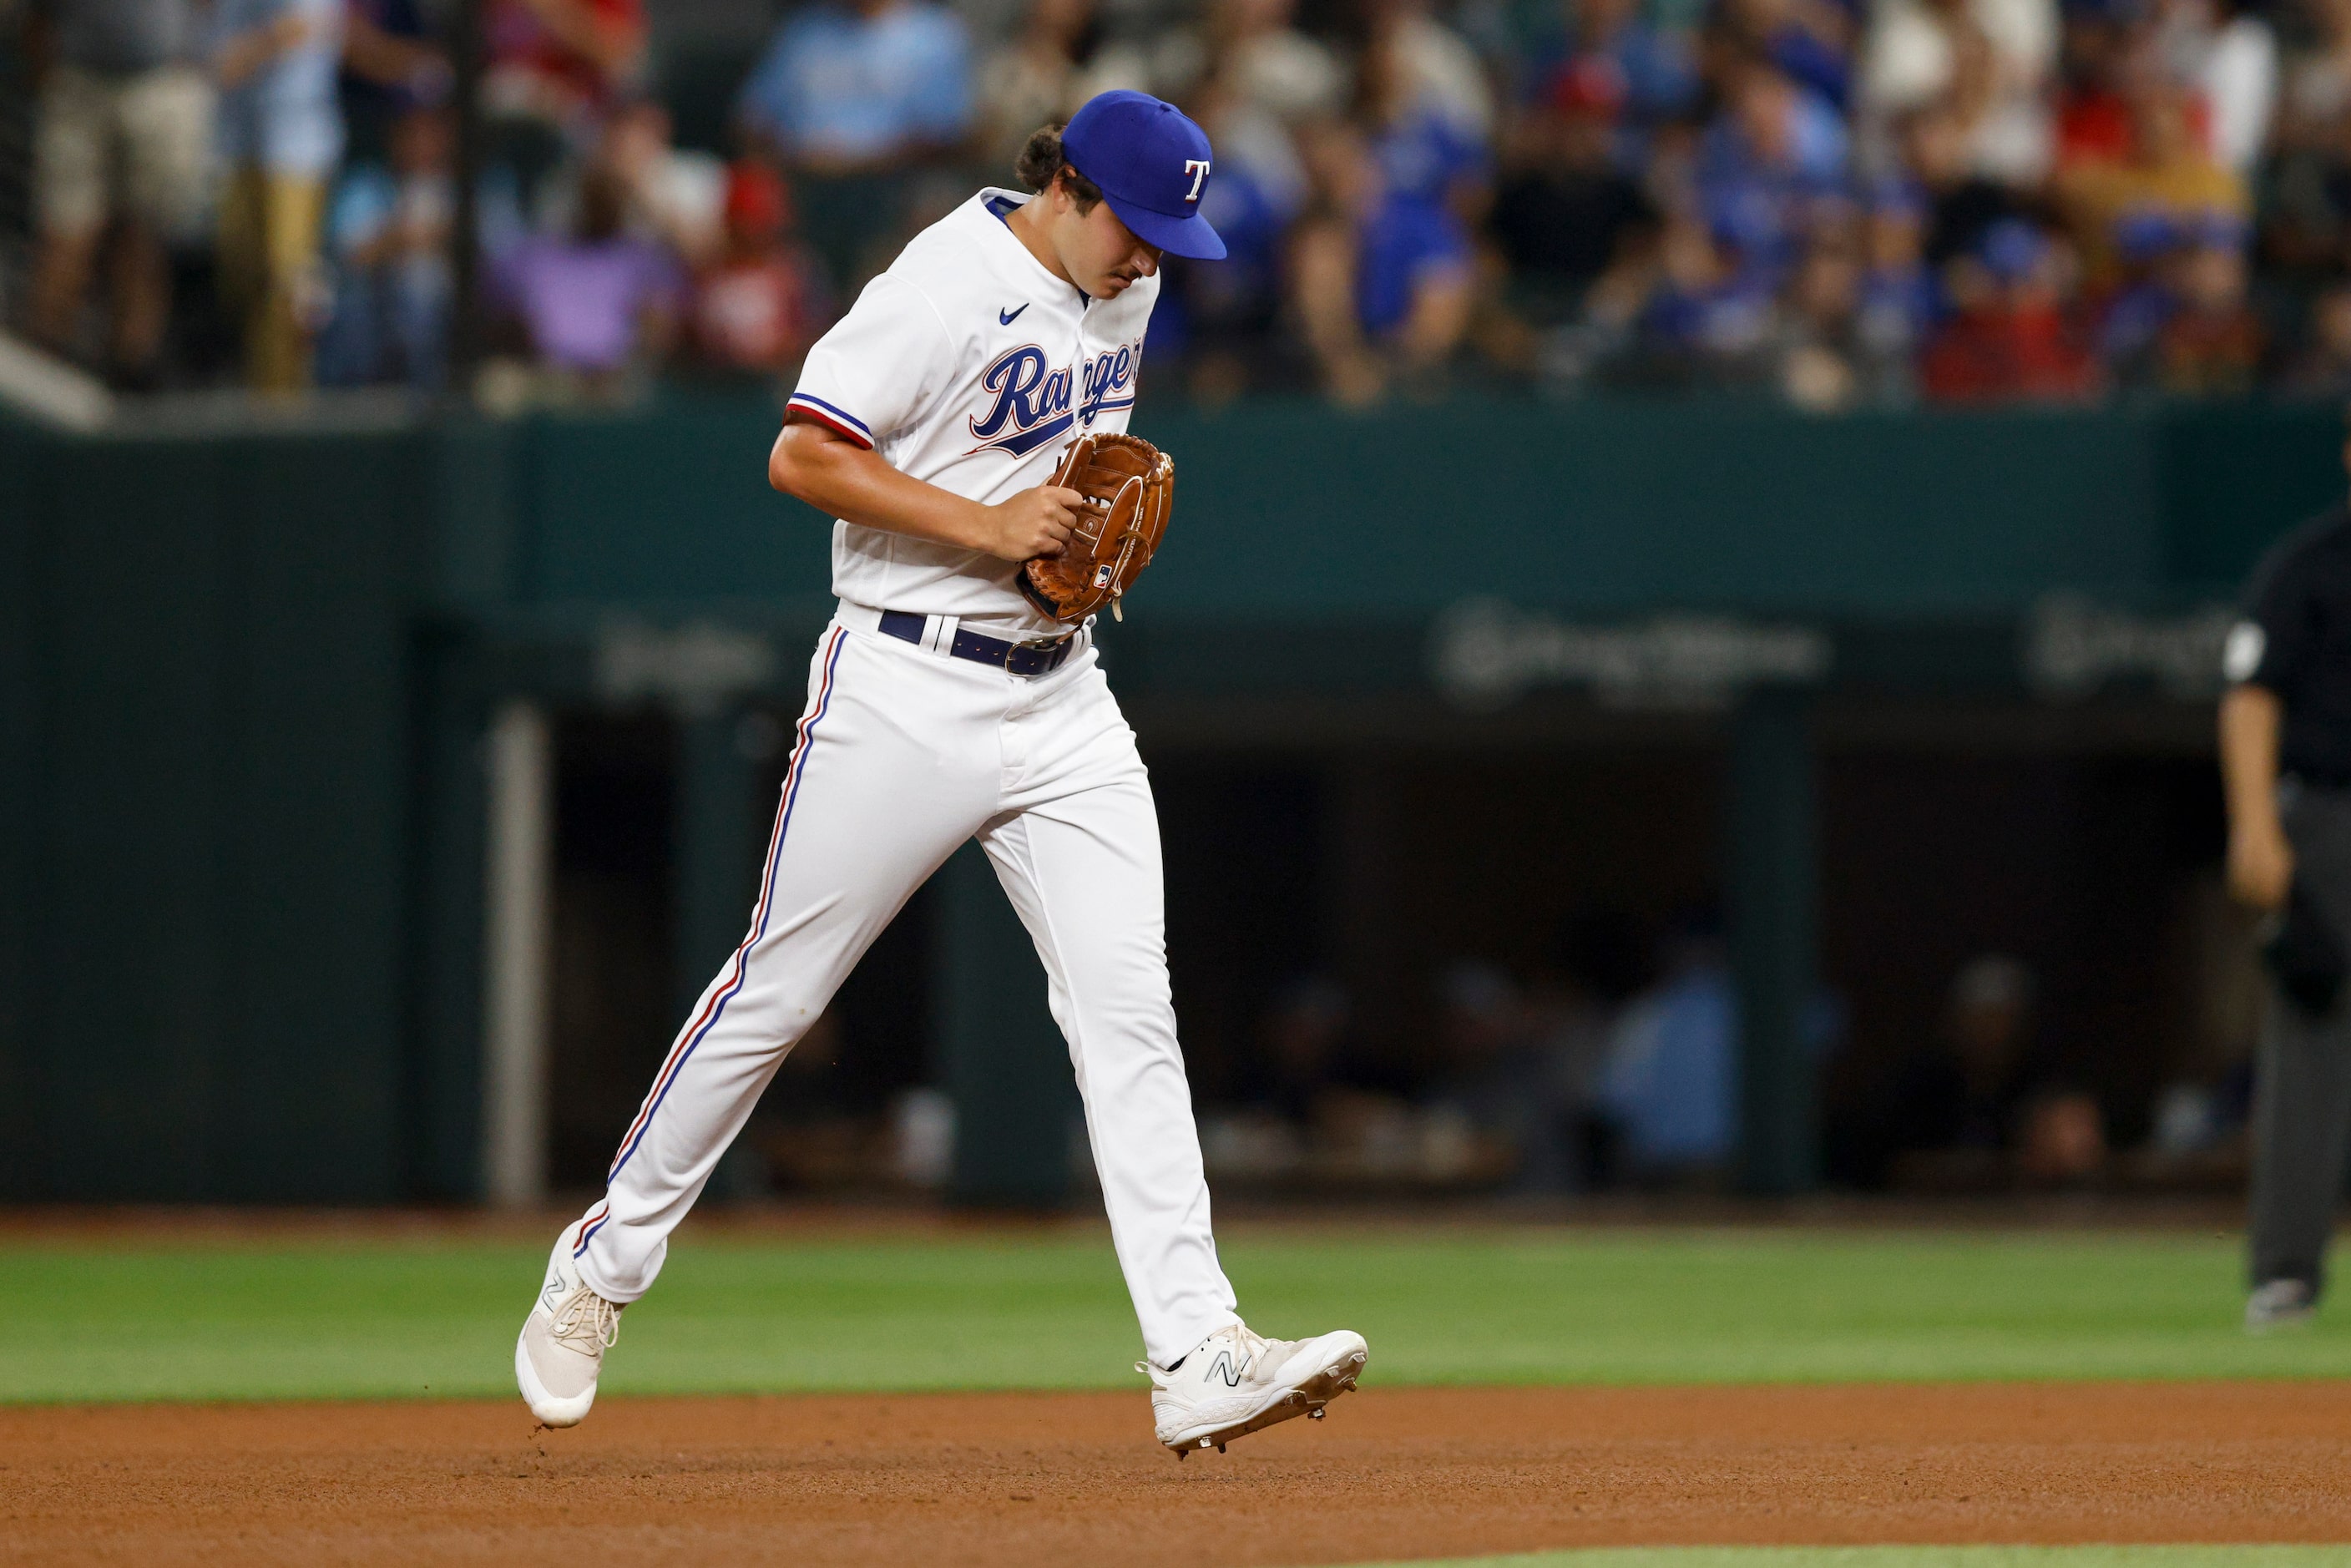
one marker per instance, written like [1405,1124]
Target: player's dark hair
[1041,160]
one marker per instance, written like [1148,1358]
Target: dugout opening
[1419,904]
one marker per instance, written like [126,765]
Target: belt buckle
[1042,650]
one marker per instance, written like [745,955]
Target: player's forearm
[842,479]
[2251,718]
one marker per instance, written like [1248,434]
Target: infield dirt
[1032,1479]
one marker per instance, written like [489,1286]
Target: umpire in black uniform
[2285,761]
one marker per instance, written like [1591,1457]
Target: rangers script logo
[1030,406]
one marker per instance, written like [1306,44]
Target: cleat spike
[1316,1414]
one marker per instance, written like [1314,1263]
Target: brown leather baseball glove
[1130,488]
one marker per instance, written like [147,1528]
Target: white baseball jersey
[971,367]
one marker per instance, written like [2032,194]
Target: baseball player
[944,704]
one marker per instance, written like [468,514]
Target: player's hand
[2261,865]
[1031,524]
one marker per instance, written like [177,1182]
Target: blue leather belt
[1012,658]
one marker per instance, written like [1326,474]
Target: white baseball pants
[902,754]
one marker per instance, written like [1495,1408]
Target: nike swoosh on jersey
[1005,317]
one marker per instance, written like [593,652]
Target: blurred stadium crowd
[1837,202]
[1614,1064]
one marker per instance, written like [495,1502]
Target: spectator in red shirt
[2014,336]
[552,59]
[553,69]
[763,302]
[2093,124]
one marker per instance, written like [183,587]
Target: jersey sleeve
[2271,641]
[878,366]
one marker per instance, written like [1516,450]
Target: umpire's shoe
[563,1344]
[2280,1304]
[1236,1382]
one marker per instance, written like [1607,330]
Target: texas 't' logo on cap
[1153,165]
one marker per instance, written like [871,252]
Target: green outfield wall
[243,676]
[1589,506]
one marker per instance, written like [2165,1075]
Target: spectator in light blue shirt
[281,129]
[863,89]
[1670,1080]
[851,98]
[1671,1069]
[280,61]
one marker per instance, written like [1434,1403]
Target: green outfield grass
[337,1319]
[1911,1557]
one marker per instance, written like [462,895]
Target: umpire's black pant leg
[2302,1134]
[2302,1105]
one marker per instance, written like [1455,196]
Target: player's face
[1101,254]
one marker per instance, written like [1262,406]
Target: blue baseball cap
[1152,164]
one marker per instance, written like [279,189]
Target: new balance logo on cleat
[1235,1383]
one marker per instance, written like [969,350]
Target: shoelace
[589,1329]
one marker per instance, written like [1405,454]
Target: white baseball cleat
[1236,1382]
[2280,1304]
[563,1344]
